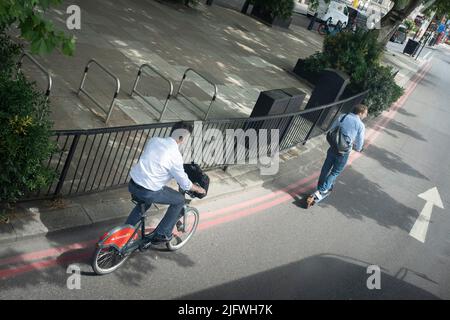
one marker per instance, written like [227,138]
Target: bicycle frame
[120,237]
[121,242]
[329,28]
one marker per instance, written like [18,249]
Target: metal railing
[134,89]
[116,92]
[193,103]
[94,160]
[40,67]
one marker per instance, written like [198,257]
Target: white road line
[420,228]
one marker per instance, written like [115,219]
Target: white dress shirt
[160,161]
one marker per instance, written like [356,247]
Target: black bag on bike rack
[196,175]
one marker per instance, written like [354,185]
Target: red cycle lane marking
[7,273]
[286,197]
[38,255]
[260,199]
[251,211]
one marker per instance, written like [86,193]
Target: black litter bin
[276,102]
[411,47]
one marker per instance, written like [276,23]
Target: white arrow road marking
[420,228]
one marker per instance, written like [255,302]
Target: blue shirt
[353,128]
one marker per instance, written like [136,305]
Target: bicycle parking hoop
[169,95]
[116,92]
[40,67]
[179,92]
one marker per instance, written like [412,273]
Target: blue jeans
[166,195]
[333,166]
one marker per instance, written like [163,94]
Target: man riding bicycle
[160,162]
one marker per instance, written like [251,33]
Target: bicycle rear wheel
[322,29]
[184,230]
[107,260]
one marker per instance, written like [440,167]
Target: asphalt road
[272,248]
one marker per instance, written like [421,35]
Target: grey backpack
[339,142]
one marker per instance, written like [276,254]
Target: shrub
[383,91]
[314,4]
[316,63]
[352,52]
[278,8]
[358,54]
[409,24]
[24,139]
[9,53]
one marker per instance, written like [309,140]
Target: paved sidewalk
[236,51]
[406,65]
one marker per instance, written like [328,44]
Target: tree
[27,15]
[402,9]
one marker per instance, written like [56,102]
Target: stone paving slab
[234,50]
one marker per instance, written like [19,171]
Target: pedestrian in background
[350,128]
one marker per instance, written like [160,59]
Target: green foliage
[409,24]
[24,138]
[401,4]
[278,8]
[314,4]
[383,91]
[358,55]
[41,33]
[316,63]
[441,7]
[352,52]
[8,54]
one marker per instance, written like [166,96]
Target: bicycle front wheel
[184,229]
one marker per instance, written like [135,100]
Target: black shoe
[159,240]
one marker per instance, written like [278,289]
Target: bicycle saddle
[136,200]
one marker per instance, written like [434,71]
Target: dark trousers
[166,195]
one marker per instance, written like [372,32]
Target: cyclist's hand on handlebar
[198,189]
[201,190]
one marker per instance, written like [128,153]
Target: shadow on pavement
[356,197]
[392,162]
[397,126]
[138,267]
[404,112]
[322,276]
[36,273]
